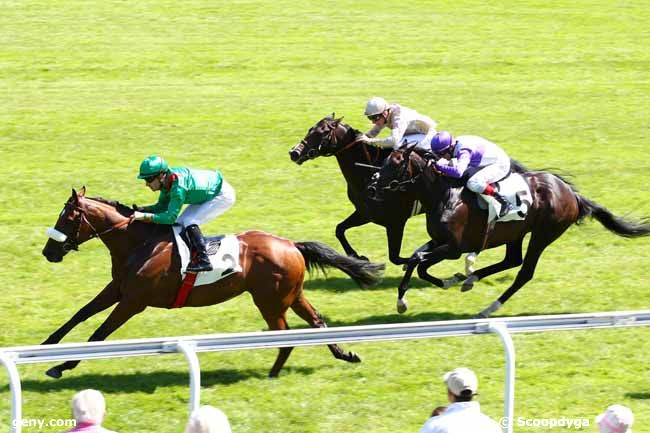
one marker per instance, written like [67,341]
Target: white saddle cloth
[226,257]
[515,189]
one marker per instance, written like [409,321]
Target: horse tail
[618,225]
[319,255]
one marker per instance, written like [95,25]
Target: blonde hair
[88,406]
[208,419]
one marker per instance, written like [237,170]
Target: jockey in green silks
[205,191]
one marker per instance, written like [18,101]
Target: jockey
[401,120]
[476,158]
[207,193]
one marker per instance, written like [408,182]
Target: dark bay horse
[146,272]
[456,224]
[330,137]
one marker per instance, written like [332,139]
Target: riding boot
[201,262]
[506,207]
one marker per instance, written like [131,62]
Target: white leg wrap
[402,306]
[491,309]
[470,260]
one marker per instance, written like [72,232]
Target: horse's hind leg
[512,259]
[104,299]
[120,314]
[309,314]
[278,323]
[538,243]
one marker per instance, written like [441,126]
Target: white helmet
[375,105]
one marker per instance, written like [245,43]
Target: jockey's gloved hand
[362,138]
[140,216]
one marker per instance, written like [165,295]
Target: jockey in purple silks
[475,158]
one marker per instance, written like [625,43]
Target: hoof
[468,284]
[354,358]
[54,373]
[402,306]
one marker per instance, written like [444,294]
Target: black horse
[330,137]
[456,224]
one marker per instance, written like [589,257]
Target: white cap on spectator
[208,419]
[88,406]
[461,379]
[616,419]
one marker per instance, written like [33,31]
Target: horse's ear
[82,191]
[339,119]
[333,115]
[409,148]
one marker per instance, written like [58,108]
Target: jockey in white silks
[403,122]
[479,160]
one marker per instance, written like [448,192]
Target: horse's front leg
[354,220]
[412,263]
[441,252]
[124,310]
[395,234]
[104,299]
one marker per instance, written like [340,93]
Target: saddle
[223,251]
[513,187]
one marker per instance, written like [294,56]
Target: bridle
[395,184]
[330,140]
[72,242]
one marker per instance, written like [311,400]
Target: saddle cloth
[515,189]
[225,258]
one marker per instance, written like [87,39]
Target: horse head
[326,138]
[79,222]
[401,169]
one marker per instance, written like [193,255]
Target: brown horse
[146,272]
[456,224]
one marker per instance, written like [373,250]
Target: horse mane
[123,209]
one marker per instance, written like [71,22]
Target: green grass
[90,88]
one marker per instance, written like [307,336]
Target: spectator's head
[462,384]
[208,419]
[88,406]
[616,419]
[439,411]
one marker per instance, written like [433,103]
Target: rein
[332,140]
[81,218]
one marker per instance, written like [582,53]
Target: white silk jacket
[402,121]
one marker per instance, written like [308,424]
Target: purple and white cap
[441,141]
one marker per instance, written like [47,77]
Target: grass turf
[92,88]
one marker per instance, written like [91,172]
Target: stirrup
[200,265]
[506,208]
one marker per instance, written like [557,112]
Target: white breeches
[202,213]
[487,175]
[424,141]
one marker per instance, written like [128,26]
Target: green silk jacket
[184,186]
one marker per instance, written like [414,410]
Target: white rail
[190,345]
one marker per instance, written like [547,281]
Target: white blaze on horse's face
[56,235]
